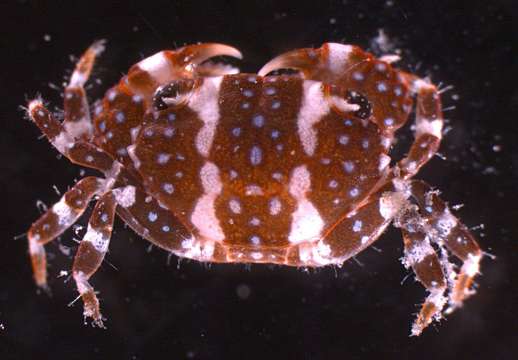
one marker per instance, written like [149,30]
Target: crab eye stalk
[365,109]
[174,94]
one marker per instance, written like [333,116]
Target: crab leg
[77,151]
[56,220]
[428,130]
[78,123]
[91,252]
[454,235]
[420,255]
[159,69]
[364,226]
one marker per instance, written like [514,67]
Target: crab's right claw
[163,67]
[192,55]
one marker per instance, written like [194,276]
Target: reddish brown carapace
[218,166]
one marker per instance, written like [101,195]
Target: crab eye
[365,110]
[174,94]
[349,101]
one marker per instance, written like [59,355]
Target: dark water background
[159,311]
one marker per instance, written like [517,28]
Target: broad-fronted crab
[218,166]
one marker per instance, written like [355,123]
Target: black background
[157,309]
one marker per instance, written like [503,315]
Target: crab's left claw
[163,67]
[304,60]
[327,63]
[353,69]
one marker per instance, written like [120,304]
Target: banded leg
[429,124]
[455,236]
[77,151]
[421,256]
[78,123]
[91,252]
[56,220]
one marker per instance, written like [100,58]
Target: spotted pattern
[245,168]
[250,161]
[119,112]
[256,145]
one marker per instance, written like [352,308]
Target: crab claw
[325,63]
[190,56]
[303,60]
[165,66]
[193,57]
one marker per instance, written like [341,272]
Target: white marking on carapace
[253,190]
[338,57]
[275,206]
[316,253]
[197,250]
[314,107]
[205,102]
[99,241]
[204,214]
[158,67]
[307,224]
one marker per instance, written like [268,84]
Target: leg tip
[35,105]
[416,330]
[44,287]
[92,309]
[98,46]
[97,319]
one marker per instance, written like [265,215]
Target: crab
[285,168]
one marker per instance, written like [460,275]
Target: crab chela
[290,168]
